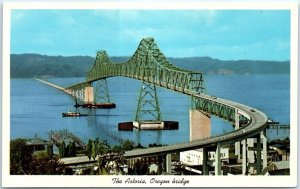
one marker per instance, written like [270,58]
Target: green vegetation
[31,65]
[23,160]
[285,141]
[67,150]
[208,65]
[107,157]
[98,148]
[20,155]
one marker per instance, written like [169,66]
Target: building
[277,168]
[39,144]
[283,151]
[195,157]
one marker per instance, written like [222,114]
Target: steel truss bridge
[150,65]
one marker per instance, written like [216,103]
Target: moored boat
[101,106]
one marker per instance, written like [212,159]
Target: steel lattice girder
[79,86]
[77,91]
[150,65]
[101,93]
[217,109]
[148,105]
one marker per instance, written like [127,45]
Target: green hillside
[31,65]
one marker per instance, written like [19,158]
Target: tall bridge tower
[148,115]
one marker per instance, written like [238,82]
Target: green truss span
[150,65]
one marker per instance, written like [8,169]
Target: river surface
[36,108]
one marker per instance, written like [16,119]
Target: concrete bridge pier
[264,148]
[256,153]
[199,125]
[244,160]
[169,164]
[88,95]
[218,160]
[237,144]
[78,94]
[205,168]
[252,155]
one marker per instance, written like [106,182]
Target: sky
[221,34]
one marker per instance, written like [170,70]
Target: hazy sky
[222,34]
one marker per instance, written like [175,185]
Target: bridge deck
[258,123]
[55,86]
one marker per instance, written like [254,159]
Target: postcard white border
[106,181]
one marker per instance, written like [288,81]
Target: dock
[63,135]
[278,126]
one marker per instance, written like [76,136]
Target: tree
[127,145]
[102,148]
[137,167]
[42,164]
[62,149]
[70,149]
[139,146]
[117,149]
[50,149]
[20,157]
[94,150]
[24,162]
[89,149]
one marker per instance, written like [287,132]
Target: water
[36,108]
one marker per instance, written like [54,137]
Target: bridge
[150,66]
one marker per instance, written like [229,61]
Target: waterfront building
[195,157]
[277,168]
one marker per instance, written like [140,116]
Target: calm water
[36,108]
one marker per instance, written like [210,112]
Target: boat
[101,106]
[72,114]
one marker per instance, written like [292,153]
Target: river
[36,108]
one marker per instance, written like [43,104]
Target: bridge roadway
[55,86]
[258,122]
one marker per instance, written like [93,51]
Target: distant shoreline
[36,65]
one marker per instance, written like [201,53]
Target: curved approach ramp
[257,123]
[150,65]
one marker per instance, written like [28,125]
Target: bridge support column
[218,160]
[168,163]
[244,161]
[199,125]
[148,105]
[101,92]
[89,95]
[264,149]
[78,94]
[237,144]
[251,155]
[258,155]
[204,163]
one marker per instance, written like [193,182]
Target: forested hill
[31,65]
